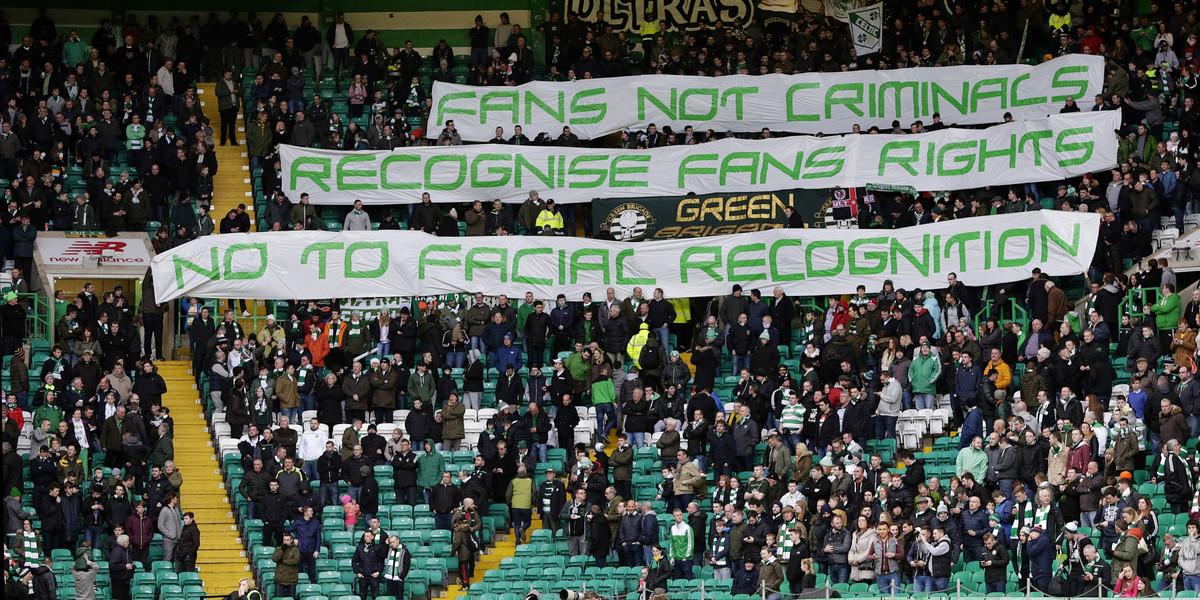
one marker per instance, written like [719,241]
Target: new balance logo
[89,248]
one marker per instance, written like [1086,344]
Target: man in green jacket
[421,385]
[1166,314]
[621,462]
[1128,550]
[430,467]
[972,459]
[287,566]
[228,91]
[924,373]
[259,140]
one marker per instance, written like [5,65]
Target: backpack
[651,357]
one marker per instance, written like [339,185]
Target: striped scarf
[394,563]
[32,546]
[718,544]
[1024,517]
[1040,516]
[784,548]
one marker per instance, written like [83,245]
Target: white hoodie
[312,444]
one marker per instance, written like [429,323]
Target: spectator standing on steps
[170,525]
[189,544]
[368,563]
[307,533]
[120,568]
[287,561]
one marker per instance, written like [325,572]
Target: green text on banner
[806,103]
[356,264]
[1048,149]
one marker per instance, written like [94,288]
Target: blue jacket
[1110,513]
[977,522]
[755,311]
[564,316]
[508,355]
[1041,557]
[649,534]
[1004,510]
[307,534]
[972,426]
[722,450]
[1170,186]
[967,383]
[493,335]
[745,582]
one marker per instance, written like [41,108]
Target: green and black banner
[662,218]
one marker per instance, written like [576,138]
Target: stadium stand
[1036,438]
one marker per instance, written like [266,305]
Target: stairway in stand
[222,559]
[506,546]
[231,185]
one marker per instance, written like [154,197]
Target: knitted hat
[81,556]
[1135,532]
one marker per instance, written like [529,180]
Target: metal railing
[39,317]
[1131,306]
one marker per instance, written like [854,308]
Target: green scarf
[392,564]
[32,548]
[1040,516]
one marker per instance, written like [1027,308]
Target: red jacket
[140,531]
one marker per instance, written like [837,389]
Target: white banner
[1047,149]
[806,103]
[306,264]
[866,29]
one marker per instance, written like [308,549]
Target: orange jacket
[319,348]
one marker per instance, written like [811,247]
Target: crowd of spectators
[109,135]
[100,473]
[1034,474]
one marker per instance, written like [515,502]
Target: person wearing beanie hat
[85,571]
[766,357]
[1040,548]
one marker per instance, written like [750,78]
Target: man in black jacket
[404,469]
[537,329]
[329,467]
[44,585]
[443,499]
[551,496]
[367,563]
[537,423]
[274,510]
[368,495]
[994,560]
[352,472]
[1092,573]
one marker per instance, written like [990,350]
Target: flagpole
[1024,35]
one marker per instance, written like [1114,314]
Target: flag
[866,28]
[844,203]
[839,10]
